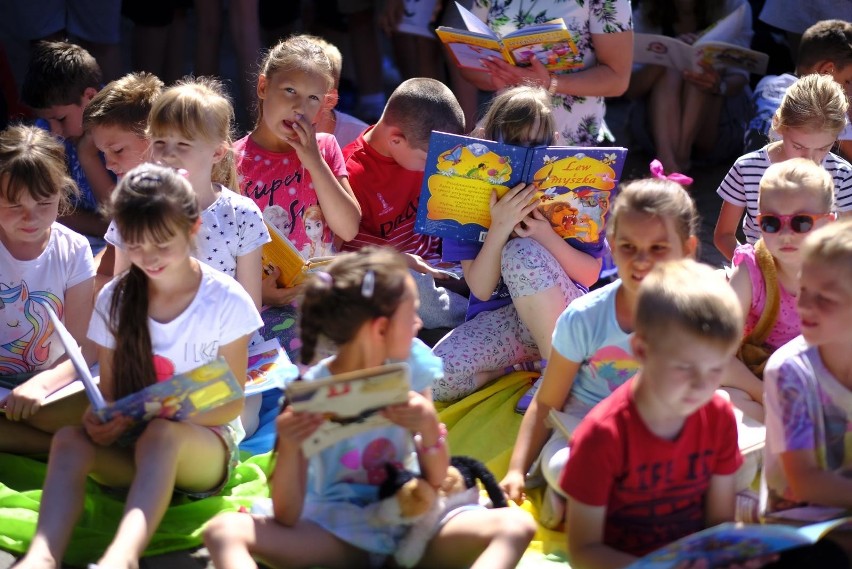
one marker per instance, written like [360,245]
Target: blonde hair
[125,103]
[814,102]
[795,176]
[521,115]
[687,296]
[198,108]
[656,197]
[335,58]
[831,246]
[33,161]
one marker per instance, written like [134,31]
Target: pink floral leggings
[497,339]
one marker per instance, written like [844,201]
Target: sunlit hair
[58,74]
[33,161]
[150,204]
[659,198]
[815,102]
[335,58]
[831,246]
[124,103]
[420,105]
[335,305]
[521,115]
[796,176]
[198,108]
[687,296]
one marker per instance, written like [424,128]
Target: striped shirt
[742,183]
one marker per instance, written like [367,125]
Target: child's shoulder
[231,200]
[759,158]
[796,350]
[836,164]
[598,300]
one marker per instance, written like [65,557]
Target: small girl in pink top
[796,196]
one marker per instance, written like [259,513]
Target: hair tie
[658,172]
[325,278]
[368,285]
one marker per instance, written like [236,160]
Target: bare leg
[700,115]
[250,415]
[234,539]
[33,436]
[664,107]
[539,313]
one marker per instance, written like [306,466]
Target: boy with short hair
[385,166]
[60,81]
[826,47]
[655,461]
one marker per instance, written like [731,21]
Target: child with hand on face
[796,197]
[366,305]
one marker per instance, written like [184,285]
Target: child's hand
[535,225]
[104,434]
[24,401]
[708,80]
[513,485]
[304,142]
[688,38]
[273,295]
[294,427]
[417,414]
[512,208]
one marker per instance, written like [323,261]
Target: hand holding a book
[504,74]
[294,427]
[24,401]
[105,433]
[272,294]
[536,226]
[510,210]
[708,80]
[417,415]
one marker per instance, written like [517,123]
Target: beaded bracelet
[554,83]
[439,444]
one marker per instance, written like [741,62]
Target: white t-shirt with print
[27,340]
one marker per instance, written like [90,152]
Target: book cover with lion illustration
[576,186]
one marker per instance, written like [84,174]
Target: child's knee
[72,442]
[159,436]
[517,525]
[225,529]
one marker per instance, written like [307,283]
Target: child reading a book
[809,120]
[655,461]
[796,197]
[523,275]
[808,384]
[653,220]
[190,128]
[167,314]
[366,305]
[43,266]
[284,161]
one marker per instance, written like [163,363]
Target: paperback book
[575,185]
[550,42]
[280,252]
[350,402]
[268,368]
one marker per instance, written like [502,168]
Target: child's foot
[36,562]
[524,402]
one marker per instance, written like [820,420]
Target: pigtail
[133,358]
[225,170]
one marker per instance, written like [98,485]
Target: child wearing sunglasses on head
[796,196]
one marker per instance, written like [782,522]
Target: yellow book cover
[280,252]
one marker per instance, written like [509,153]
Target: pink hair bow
[658,172]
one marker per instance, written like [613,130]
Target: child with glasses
[796,196]
[811,117]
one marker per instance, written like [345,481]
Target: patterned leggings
[497,339]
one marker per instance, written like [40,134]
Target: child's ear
[690,247]
[825,67]
[639,347]
[261,86]
[196,227]
[88,95]
[395,135]
[331,100]
[221,152]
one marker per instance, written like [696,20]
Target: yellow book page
[281,253]
[468,50]
[555,49]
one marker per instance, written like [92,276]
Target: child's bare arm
[289,479]
[584,530]
[811,483]
[418,415]
[249,274]
[725,234]
[738,375]
[97,174]
[720,500]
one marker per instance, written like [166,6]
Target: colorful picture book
[268,367]
[350,402]
[575,186]
[550,42]
[729,543]
[714,48]
[281,253]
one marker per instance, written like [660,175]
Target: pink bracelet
[439,444]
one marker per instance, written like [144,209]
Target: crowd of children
[138,217]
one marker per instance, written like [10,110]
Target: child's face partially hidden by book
[407,156]
[404,324]
[825,304]
[123,149]
[680,370]
[287,97]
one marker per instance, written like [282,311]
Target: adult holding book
[706,110]
[603,34]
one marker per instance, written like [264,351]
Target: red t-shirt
[284,191]
[653,488]
[389,195]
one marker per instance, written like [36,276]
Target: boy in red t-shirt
[655,461]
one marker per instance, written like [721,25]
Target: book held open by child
[576,186]
[351,402]
[281,252]
[550,42]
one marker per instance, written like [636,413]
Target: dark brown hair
[58,74]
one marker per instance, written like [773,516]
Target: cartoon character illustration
[475,161]
[316,230]
[25,328]
[277,217]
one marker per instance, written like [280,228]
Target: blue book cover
[576,186]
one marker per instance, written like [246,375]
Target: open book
[730,543]
[350,402]
[550,42]
[268,367]
[576,186]
[281,252]
[713,47]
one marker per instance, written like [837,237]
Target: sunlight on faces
[28,220]
[285,96]
[641,241]
[825,303]
[805,143]
[196,156]
[65,121]
[786,242]
[157,256]
[123,150]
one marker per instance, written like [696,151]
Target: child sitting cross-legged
[655,461]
